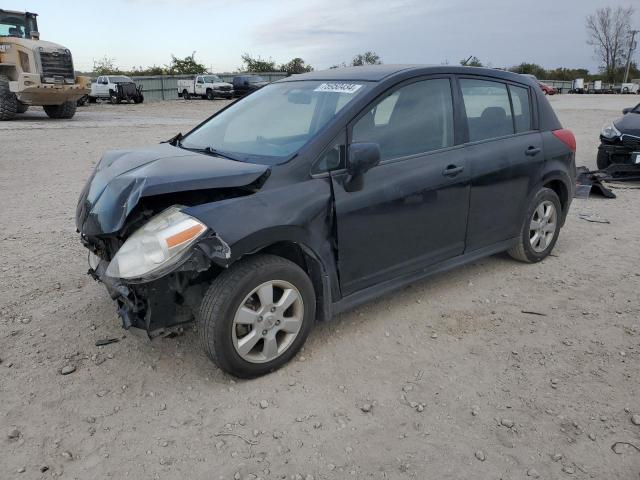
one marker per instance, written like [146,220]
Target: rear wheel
[139,98]
[185,94]
[256,315]
[8,100]
[66,110]
[540,228]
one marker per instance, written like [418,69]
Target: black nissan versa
[319,192]
[620,140]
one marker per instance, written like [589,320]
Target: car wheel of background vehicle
[8,100]
[93,99]
[602,160]
[209,94]
[186,95]
[256,315]
[66,110]
[540,228]
[22,107]
[138,98]
[114,100]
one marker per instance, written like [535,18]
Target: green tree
[148,71]
[105,66]
[472,61]
[257,64]
[296,65]
[366,58]
[186,65]
[531,69]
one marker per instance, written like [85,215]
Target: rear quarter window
[521,108]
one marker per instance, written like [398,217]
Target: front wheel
[210,95]
[66,110]
[256,315]
[139,98]
[540,228]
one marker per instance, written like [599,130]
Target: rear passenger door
[504,150]
[412,210]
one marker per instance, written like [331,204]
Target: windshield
[16,25]
[119,79]
[212,79]
[273,123]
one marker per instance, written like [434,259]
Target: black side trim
[376,291]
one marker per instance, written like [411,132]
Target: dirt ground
[457,381]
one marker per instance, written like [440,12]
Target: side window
[488,109]
[332,157]
[199,80]
[416,118]
[521,108]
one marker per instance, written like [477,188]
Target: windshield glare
[270,125]
[119,79]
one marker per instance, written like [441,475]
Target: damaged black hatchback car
[322,191]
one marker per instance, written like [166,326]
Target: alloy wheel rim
[267,321]
[543,225]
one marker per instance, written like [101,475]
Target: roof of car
[376,73]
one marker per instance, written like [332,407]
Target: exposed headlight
[610,131]
[158,244]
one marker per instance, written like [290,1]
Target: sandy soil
[460,383]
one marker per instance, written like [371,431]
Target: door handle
[452,171]
[531,151]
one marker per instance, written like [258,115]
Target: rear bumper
[30,90]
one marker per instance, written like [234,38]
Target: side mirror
[626,110]
[35,35]
[361,158]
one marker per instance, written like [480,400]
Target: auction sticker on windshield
[338,87]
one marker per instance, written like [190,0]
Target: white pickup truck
[205,86]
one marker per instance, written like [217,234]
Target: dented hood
[123,177]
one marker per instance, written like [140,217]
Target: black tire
[523,250]
[209,94]
[224,296]
[602,160]
[186,95]
[22,107]
[138,99]
[8,100]
[93,99]
[114,100]
[66,110]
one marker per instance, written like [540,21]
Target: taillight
[566,137]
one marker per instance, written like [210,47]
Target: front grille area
[224,87]
[56,64]
[630,141]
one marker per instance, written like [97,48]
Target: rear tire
[66,110]
[603,160]
[186,95]
[138,99]
[232,294]
[8,100]
[531,248]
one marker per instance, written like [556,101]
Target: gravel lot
[446,379]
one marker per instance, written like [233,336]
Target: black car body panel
[410,219]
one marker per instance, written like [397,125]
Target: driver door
[199,86]
[412,209]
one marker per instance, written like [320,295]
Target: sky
[501,33]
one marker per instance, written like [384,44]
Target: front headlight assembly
[158,245]
[610,131]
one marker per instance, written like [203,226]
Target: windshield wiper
[209,151]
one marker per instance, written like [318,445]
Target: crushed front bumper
[171,299]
